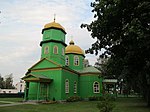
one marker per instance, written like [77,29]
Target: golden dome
[73,49]
[54,25]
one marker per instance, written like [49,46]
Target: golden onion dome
[73,49]
[54,25]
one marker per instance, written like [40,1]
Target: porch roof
[36,78]
[110,81]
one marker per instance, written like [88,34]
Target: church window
[67,86]
[96,87]
[55,50]
[67,60]
[46,50]
[63,52]
[75,87]
[76,60]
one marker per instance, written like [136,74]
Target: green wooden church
[61,72]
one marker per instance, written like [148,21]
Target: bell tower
[53,42]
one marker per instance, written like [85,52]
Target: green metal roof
[90,69]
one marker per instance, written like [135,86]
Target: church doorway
[44,91]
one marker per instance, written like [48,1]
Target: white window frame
[75,87]
[96,87]
[55,49]
[76,60]
[67,60]
[66,86]
[46,49]
[63,51]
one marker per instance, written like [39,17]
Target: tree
[9,82]
[122,29]
[1,82]
[108,67]
[101,65]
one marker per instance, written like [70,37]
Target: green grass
[122,105]
[1,103]
[66,107]
[130,105]
[12,99]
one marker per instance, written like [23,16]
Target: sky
[21,23]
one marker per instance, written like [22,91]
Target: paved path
[15,103]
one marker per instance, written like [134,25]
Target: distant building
[19,88]
[8,91]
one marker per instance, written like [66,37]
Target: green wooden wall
[86,85]
[71,61]
[72,77]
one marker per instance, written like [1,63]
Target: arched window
[63,52]
[76,60]
[96,87]
[67,86]
[46,50]
[75,87]
[67,60]
[55,50]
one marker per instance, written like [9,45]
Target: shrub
[73,99]
[106,104]
[101,98]
[93,98]
[109,97]
[96,98]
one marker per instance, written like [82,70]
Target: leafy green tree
[108,67]
[122,29]
[9,82]
[101,65]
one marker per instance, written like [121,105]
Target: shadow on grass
[131,105]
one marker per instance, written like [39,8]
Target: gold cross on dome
[54,17]
[71,37]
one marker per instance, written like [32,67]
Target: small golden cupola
[74,49]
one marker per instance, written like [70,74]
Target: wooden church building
[61,71]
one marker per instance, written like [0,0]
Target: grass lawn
[1,103]
[66,107]
[122,105]
[130,105]
[12,99]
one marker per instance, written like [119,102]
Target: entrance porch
[39,87]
